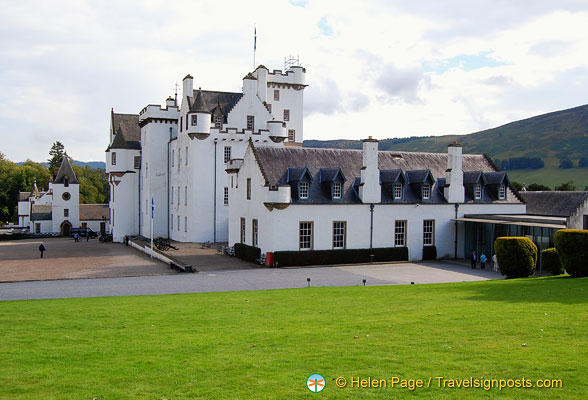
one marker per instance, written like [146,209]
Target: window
[178,200]
[242,230]
[173,157]
[172,195]
[429,232]
[305,235]
[400,233]
[218,121]
[66,212]
[502,192]
[254,233]
[66,182]
[339,228]
[226,196]
[137,162]
[248,188]
[185,195]
[269,108]
[185,224]
[250,122]
[398,190]
[181,123]
[186,126]
[179,158]
[113,158]
[276,95]
[337,190]
[178,223]
[194,120]
[186,155]
[303,190]
[37,227]
[291,135]
[426,191]
[172,222]
[227,154]
[478,192]
[286,115]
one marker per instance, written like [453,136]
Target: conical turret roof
[65,172]
[200,105]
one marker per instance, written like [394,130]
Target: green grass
[551,176]
[264,344]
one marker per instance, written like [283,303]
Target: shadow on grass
[552,289]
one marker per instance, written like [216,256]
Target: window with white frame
[305,235]
[291,135]
[218,122]
[186,155]
[185,195]
[185,224]
[478,191]
[339,228]
[194,120]
[303,190]
[227,154]
[337,190]
[250,122]
[137,162]
[248,188]
[502,192]
[113,158]
[286,115]
[276,95]
[426,191]
[398,190]
[226,196]
[242,230]
[429,232]
[254,230]
[399,233]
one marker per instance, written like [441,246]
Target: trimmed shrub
[429,253]
[551,261]
[517,256]
[14,236]
[247,253]
[572,248]
[346,256]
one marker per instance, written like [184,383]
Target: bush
[14,236]
[247,253]
[566,163]
[572,248]
[550,261]
[429,253]
[517,256]
[351,256]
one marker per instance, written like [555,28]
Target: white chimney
[454,190]
[188,86]
[369,190]
[249,85]
[261,74]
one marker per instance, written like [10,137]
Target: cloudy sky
[375,67]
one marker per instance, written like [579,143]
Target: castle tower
[66,199]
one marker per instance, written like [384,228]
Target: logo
[315,383]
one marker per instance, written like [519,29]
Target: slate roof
[23,196]
[557,204]
[120,142]
[330,174]
[390,175]
[471,177]
[199,105]
[41,212]
[274,163]
[65,171]
[129,123]
[94,212]
[226,100]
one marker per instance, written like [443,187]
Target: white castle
[175,157]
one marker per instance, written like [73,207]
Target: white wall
[59,205]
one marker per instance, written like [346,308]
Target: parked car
[83,232]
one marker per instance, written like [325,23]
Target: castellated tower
[66,199]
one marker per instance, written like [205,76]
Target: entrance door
[65,228]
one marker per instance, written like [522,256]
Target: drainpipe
[168,176]
[214,213]
[455,242]
[139,195]
[371,224]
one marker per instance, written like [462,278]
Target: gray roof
[390,175]
[23,196]
[557,204]
[65,171]
[94,212]
[120,142]
[331,174]
[199,105]
[129,123]
[274,163]
[471,177]
[41,212]
[225,100]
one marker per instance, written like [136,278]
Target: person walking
[473,259]
[495,263]
[483,261]
[42,249]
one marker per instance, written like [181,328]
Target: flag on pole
[152,207]
[254,38]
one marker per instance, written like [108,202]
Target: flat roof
[516,219]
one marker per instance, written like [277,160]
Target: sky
[378,68]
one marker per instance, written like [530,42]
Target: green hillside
[551,137]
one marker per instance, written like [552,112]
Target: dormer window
[502,192]
[336,190]
[398,190]
[426,191]
[303,190]
[478,191]
[194,120]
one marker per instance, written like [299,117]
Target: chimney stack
[369,190]
[454,190]
[188,86]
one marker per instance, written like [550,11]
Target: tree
[583,162]
[8,190]
[518,186]
[57,152]
[536,187]
[566,187]
[566,163]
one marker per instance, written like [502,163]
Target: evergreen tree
[57,153]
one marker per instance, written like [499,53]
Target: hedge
[14,236]
[517,256]
[551,261]
[429,253]
[572,248]
[346,256]
[247,253]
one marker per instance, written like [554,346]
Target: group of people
[483,260]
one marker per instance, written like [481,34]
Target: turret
[369,190]
[170,102]
[198,118]
[277,132]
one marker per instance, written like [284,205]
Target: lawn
[264,344]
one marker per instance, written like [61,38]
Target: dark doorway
[65,228]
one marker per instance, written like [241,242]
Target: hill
[551,137]
[91,164]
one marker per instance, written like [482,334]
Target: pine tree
[57,152]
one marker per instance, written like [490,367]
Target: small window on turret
[113,158]
[66,182]
[286,115]
[276,95]
[218,122]
[194,120]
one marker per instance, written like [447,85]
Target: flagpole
[254,44]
